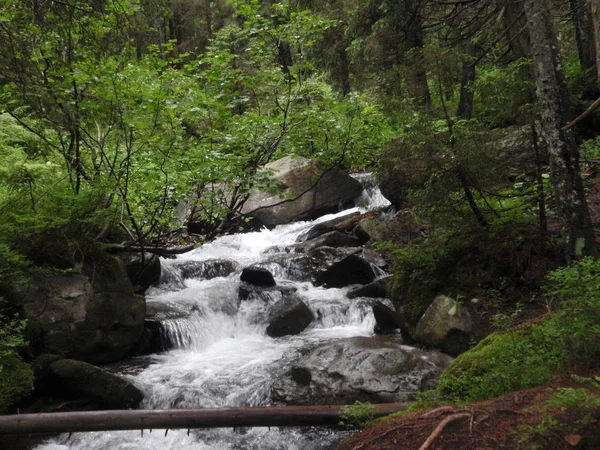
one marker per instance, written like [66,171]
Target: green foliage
[566,341]
[16,380]
[503,95]
[16,377]
[358,415]
[458,262]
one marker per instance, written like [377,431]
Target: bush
[467,262]
[16,380]
[16,377]
[565,341]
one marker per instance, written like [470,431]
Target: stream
[223,357]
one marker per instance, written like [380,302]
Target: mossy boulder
[501,363]
[446,325]
[16,380]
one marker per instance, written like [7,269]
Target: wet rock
[142,272]
[324,227]
[267,294]
[372,257]
[332,239]
[446,325]
[376,289]
[295,177]
[371,369]
[92,316]
[289,316]
[206,270]
[257,276]
[386,320]
[350,270]
[82,380]
[159,312]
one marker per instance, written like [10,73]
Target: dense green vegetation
[113,112]
[566,341]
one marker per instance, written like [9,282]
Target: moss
[16,380]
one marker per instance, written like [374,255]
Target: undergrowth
[566,341]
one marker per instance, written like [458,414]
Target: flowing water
[223,357]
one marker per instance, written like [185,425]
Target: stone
[325,227]
[79,379]
[350,270]
[257,276]
[92,316]
[206,270]
[369,369]
[446,325]
[249,292]
[332,239]
[376,289]
[142,274]
[295,177]
[385,318]
[289,316]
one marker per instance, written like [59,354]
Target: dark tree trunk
[417,77]
[515,23]
[465,103]
[563,153]
[581,15]
[596,26]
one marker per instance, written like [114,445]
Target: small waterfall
[222,355]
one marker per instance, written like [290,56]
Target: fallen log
[171,419]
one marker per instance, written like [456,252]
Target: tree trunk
[416,79]
[563,152]
[515,22]
[465,104]
[596,25]
[273,416]
[584,33]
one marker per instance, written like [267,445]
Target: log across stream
[273,416]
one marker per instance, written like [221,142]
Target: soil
[508,422]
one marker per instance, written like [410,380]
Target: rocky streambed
[294,315]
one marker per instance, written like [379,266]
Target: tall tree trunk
[412,29]
[563,152]
[417,77]
[584,33]
[596,25]
[515,23]
[465,103]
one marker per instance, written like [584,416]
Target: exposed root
[443,424]
[441,409]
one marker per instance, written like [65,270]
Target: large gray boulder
[295,177]
[446,325]
[371,369]
[92,315]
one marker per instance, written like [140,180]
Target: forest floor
[519,420]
